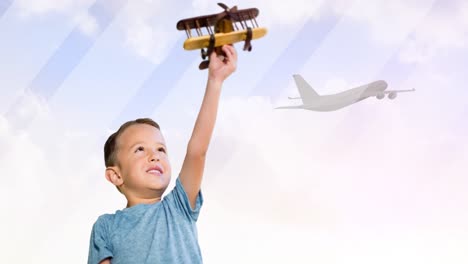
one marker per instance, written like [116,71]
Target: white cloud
[40,7]
[75,10]
[422,30]
[48,173]
[295,186]
[368,178]
[388,21]
[27,107]
[87,23]
[272,13]
[148,30]
[148,26]
[291,186]
[442,31]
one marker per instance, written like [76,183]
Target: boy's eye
[162,149]
[139,149]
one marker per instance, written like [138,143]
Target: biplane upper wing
[210,20]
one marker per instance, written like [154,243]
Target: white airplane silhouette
[313,101]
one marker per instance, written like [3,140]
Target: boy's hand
[221,67]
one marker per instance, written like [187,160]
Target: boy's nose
[154,156]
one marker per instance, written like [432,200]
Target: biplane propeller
[227,11]
[227,27]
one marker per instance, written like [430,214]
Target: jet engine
[392,96]
[380,96]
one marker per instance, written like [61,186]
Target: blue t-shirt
[163,232]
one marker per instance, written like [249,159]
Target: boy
[151,229]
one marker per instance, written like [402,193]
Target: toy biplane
[227,27]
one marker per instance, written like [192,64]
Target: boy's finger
[229,50]
[226,50]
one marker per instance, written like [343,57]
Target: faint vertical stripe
[62,63]
[395,72]
[4,5]
[294,56]
[156,87]
[398,70]
[73,49]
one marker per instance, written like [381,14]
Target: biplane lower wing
[223,38]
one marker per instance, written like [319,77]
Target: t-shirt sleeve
[179,198]
[99,246]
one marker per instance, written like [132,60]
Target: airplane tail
[308,94]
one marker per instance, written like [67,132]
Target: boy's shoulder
[107,223]
[102,222]
[105,217]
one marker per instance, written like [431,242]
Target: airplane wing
[290,107]
[392,94]
[398,91]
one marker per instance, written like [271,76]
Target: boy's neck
[134,201]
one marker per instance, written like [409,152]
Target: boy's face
[142,161]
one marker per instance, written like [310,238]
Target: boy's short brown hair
[110,147]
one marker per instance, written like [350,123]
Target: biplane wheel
[204,65]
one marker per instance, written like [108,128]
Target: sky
[380,181]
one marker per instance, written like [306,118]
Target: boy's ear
[113,175]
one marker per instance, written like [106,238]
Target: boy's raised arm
[194,163]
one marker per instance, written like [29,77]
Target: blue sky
[381,181]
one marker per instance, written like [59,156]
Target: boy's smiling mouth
[157,170]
